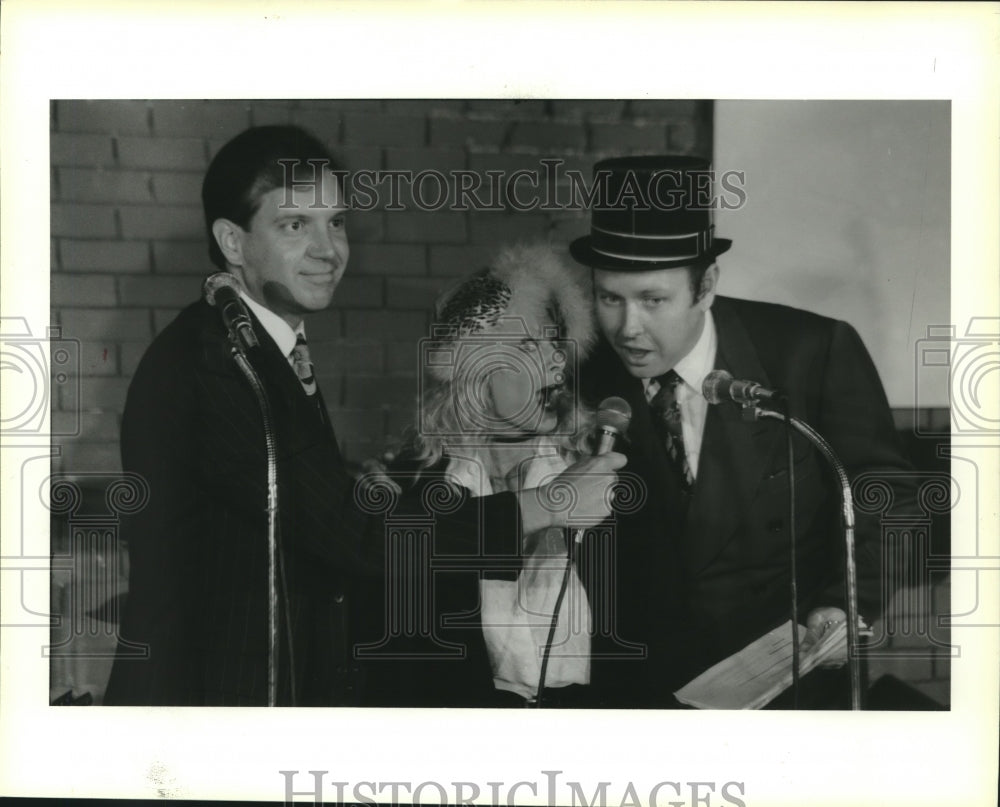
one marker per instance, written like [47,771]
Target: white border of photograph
[552,50]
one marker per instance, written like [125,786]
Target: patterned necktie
[667,412]
[303,365]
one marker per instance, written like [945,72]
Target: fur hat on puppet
[526,291]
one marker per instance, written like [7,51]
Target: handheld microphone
[720,386]
[613,416]
[222,291]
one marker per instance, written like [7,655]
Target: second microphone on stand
[720,386]
[222,291]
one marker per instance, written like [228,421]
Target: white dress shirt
[280,331]
[694,408]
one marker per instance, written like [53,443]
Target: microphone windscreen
[218,281]
[614,413]
[716,386]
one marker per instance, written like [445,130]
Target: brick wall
[128,248]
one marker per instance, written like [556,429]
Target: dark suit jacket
[198,550]
[437,654]
[686,592]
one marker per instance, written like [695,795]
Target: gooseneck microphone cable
[555,621]
[613,417]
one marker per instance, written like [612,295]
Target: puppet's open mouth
[553,396]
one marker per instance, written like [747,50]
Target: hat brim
[584,253]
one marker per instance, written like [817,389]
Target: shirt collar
[279,330]
[699,362]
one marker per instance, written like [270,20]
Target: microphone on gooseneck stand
[222,291]
[720,386]
[613,417]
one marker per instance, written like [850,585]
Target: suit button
[775,525]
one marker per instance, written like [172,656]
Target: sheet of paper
[760,672]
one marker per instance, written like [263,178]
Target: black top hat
[652,212]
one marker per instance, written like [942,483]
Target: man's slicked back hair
[253,163]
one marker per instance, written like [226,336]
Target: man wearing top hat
[702,567]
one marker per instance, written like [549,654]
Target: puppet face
[294,252]
[513,377]
[524,394]
[651,319]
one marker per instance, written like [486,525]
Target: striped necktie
[303,365]
[667,415]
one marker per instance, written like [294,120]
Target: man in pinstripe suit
[275,214]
